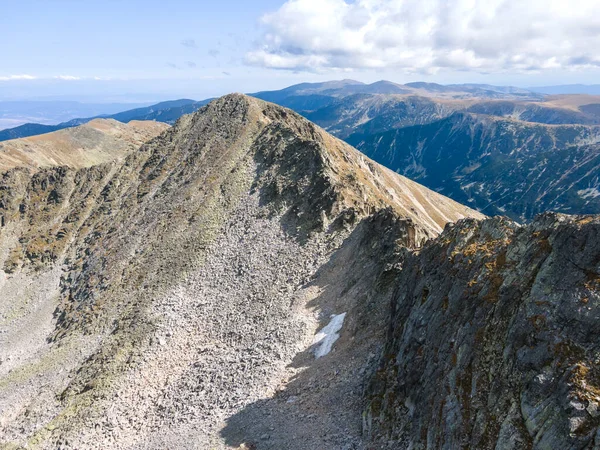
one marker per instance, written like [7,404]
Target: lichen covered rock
[494,340]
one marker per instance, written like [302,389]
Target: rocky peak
[195,272]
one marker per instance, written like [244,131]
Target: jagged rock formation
[170,299]
[96,142]
[494,340]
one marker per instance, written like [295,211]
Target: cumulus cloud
[431,35]
[17,77]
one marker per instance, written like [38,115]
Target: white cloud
[17,77]
[66,77]
[431,35]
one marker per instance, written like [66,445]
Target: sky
[145,50]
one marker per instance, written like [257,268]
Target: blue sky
[123,47]
[144,50]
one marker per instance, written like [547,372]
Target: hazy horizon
[148,98]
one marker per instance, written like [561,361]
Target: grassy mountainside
[96,142]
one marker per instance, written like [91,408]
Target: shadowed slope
[494,340]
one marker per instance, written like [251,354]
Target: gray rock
[494,339]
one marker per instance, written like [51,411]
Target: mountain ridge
[92,143]
[235,234]
[167,112]
[247,280]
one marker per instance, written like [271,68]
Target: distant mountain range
[15,113]
[591,89]
[499,149]
[311,96]
[167,112]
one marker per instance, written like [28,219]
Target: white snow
[325,338]
[589,193]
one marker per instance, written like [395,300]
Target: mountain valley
[497,166]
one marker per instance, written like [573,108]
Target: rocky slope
[494,340]
[172,299]
[96,142]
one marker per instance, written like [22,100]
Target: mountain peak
[231,237]
[357,181]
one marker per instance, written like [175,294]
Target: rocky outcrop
[494,340]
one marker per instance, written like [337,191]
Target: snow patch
[589,193]
[325,338]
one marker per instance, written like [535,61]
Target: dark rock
[494,339]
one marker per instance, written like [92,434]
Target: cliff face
[174,290]
[494,340]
